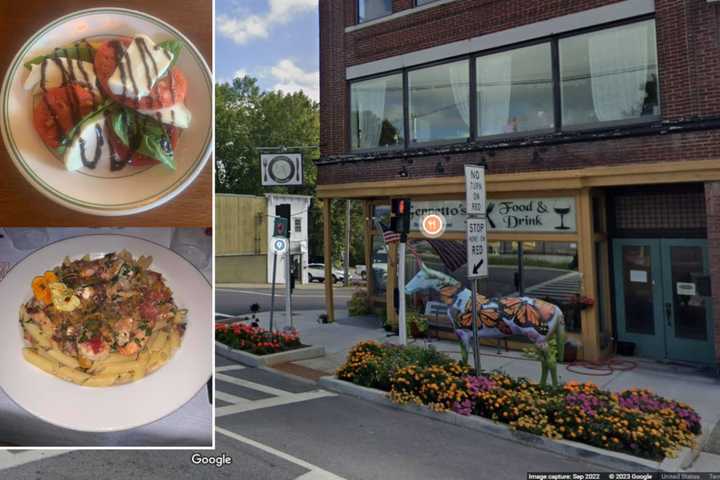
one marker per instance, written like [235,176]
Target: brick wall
[689,62]
[703,145]
[712,200]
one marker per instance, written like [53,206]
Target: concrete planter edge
[604,458]
[251,360]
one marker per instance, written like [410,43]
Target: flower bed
[634,421]
[256,340]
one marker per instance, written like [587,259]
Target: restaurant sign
[546,215]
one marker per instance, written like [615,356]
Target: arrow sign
[476,267]
[476,248]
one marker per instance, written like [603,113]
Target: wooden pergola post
[327,253]
[586,264]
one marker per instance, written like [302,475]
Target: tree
[248,119]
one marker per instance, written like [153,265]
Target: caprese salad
[113,103]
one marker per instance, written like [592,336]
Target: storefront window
[439,103]
[610,75]
[423,2]
[376,118]
[550,272]
[371,9]
[503,275]
[515,91]
[379,264]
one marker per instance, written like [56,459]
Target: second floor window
[603,78]
[515,91]
[371,9]
[376,119]
[439,102]
[610,75]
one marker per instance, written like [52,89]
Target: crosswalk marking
[252,385]
[227,397]
[225,368]
[286,399]
[240,404]
[314,473]
[10,460]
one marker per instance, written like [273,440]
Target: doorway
[662,298]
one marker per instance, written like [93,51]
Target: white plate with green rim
[100,191]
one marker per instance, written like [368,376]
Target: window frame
[508,48]
[600,125]
[400,146]
[361,22]
[406,101]
[560,127]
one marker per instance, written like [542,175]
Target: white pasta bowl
[120,407]
[102,191]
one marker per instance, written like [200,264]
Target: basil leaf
[144,135]
[173,47]
[66,141]
[82,52]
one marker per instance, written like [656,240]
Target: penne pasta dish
[101,322]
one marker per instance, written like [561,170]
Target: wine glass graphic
[562,208]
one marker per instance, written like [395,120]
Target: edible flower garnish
[40,287]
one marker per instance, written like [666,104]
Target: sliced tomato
[59,109]
[138,159]
[167,91]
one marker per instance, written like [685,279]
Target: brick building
[599,125]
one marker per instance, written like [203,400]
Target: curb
[251,360]
[597,456]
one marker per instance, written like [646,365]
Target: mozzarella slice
[89,144]
[141,66]
[178,115]
[57,70]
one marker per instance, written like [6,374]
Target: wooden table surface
[20,204]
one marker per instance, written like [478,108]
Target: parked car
[316,273]
[361,270]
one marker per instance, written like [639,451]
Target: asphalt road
[274,427]
[237,301]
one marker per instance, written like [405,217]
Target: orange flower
[40,287]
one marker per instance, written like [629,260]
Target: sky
[275,41]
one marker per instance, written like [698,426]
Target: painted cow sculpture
[536,319]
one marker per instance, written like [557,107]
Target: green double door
[662,302]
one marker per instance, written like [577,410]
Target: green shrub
[359,303]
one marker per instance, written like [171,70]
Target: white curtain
[494,77]
[460,84]
[369,100]
[619,71]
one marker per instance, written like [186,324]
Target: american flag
[389,235]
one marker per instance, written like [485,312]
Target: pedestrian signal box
[281,228]
[400,215]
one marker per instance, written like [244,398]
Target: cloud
[242,30]
[240,73]
[290,79]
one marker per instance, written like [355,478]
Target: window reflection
[371,9]
[376,118]
[515,91]
[440,102]
[610,75]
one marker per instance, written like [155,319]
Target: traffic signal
[281,227]
[282,220]
[400,215]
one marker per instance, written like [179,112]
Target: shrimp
[94,349]
[43,321]
[123,327]
[132,347]
[88,272]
